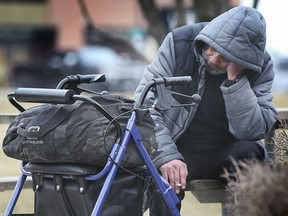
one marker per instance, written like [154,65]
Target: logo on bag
[34,129]
[33,140]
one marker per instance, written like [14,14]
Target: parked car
[122,71]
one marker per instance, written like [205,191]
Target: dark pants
[207,165]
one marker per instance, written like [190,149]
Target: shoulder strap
[46,121]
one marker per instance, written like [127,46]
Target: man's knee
[248,150]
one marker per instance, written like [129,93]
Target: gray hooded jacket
[239,35]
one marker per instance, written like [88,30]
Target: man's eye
[212,49]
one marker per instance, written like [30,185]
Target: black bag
[76,133]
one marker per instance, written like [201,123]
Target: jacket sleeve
[250,111]
[162,66]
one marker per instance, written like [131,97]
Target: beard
[212,69]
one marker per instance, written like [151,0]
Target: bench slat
[207,190]
[8,183]
[7,118]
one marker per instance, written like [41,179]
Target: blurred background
[43,41]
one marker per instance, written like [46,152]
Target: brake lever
[196,98]
[164,95]
[163,98]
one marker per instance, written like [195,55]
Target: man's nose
[213,59]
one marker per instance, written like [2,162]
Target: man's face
[214,61]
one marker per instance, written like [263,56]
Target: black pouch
[76,197]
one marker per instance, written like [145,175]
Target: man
[233,74]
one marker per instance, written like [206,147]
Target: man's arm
[168,159]
[250,111]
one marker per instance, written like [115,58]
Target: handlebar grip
[90,78]
[42,95]
[169,81]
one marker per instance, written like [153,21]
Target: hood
[239,35]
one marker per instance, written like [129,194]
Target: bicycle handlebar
[73,80]
[163,95]
[67,96]
[91,78]
[170,81]
[42,95]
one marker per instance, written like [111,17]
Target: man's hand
[175,172]
[233,70]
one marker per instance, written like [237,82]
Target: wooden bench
[208,191]
[205,190]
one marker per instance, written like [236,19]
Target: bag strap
[58,180]
[38,130]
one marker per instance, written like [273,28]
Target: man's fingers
[183,172]
[168,174]
[233,70]
[164,174]
[175,172]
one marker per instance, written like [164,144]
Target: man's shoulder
[188,32]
